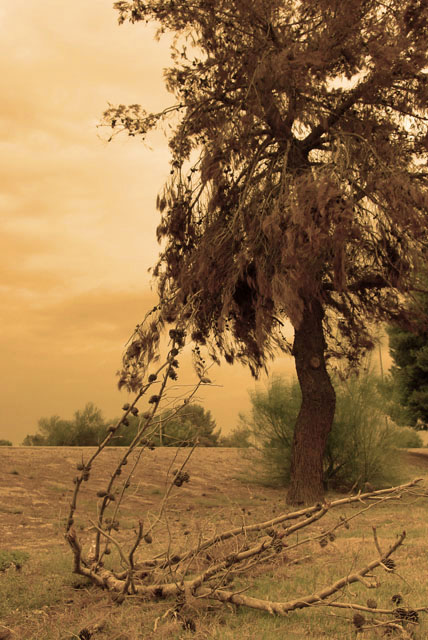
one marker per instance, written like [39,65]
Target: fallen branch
[261,526]
[282,608]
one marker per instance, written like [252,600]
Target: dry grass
[44,601]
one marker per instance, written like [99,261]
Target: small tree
[88,426]
[181,429]
[298,186]
[35,440]
[55,431]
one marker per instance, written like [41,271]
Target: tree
[36,440]
[55,431]
[298,186]
[183,429]
[409,374]
[87,429]
[5,443]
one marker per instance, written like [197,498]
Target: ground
[36,485]
[44,600]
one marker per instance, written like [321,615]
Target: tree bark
[317,410]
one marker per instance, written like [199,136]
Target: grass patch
[38,584]
[12,510]
[10,559]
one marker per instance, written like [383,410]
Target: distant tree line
[88,428]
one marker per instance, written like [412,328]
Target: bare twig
[112,540]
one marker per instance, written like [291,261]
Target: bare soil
[36,486]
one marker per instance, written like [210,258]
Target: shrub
[362,446]
[239,438]
[407,438]
[193,423]
[87,428]
[271,422]
[12,558]
[5,443]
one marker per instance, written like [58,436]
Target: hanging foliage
[298,184]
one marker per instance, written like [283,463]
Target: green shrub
[407,438]
[239,438]
[5,443]
[10,559]
[362,445]
[271,422]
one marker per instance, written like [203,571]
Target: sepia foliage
[361,446]
[298,167]
[409,373]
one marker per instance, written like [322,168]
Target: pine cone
[406,614]
[358,620]
[389,563]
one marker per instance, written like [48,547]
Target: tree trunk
[317,410]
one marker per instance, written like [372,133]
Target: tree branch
[283,608]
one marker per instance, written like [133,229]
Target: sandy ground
[36,485]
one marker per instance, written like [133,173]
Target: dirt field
[36,485]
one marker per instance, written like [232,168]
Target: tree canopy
[176,429]
[86,429]
[298,184]
[298,164]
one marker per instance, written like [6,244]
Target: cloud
[77,214]
[58,178]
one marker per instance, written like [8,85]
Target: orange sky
[77,214]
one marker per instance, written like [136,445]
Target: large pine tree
[298,185]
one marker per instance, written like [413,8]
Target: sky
[78,213]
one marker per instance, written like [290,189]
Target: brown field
[36,485]
[44,601]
